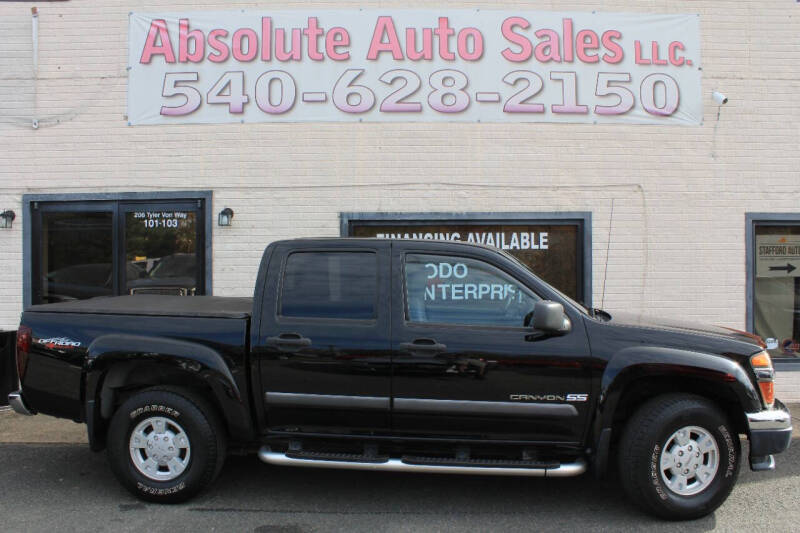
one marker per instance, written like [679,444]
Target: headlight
[762,366]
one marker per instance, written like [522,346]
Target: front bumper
[18,404]
[770,431]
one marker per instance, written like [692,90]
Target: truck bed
[155,305]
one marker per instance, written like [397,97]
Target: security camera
[719,98]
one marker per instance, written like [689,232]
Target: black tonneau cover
[154,305]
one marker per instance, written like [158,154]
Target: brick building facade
[668,205]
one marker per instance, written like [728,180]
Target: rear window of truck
[330,285]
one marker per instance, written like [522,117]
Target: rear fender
[113,360]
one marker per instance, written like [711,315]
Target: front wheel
[678,457]
[165,446]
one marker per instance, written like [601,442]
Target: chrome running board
[398,465]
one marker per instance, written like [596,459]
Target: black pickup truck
[413,356]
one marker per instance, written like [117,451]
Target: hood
[629,328]
[683,326]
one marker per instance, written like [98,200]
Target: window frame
[116,204]
[581,219]
[280,318]
[407,322]
[751,221]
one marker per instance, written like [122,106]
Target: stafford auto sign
[413,65]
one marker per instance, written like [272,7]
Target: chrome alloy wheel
[689,460]
[159,448]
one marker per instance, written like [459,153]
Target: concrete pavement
[52,482]
[39,429]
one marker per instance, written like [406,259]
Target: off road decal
[59,343]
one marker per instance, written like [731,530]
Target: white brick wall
[680,193]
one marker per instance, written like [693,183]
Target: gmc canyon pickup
[413,356]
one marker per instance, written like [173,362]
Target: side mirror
[549,316]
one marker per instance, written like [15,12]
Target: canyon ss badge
[571,397]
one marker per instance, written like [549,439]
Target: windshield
[585,310]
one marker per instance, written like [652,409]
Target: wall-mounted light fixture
[225,217]
[7,218]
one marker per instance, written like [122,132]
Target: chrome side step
[398,465]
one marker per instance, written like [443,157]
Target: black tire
[643,442]
[203,457]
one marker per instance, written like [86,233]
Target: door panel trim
[326,400]
[467,407]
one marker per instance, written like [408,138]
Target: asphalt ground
[58,484]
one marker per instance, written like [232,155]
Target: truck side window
[458,290]
[330,285]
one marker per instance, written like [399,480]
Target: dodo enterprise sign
[413,65]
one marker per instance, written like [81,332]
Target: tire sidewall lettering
[731,449]
[155,409]
[159,491]
[655,475]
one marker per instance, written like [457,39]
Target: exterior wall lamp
[7,218]
[225,217]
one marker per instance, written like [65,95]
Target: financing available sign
[429,65]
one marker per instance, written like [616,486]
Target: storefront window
[82,249]
[553,249]
[776,287]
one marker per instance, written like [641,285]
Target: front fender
[197,360]
[634,363]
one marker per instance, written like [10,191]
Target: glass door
[73,255]
[84,249]
[162,249]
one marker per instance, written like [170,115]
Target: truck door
[465,365]
[324,350]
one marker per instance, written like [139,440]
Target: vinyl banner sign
[413,65]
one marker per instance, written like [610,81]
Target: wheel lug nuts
[679,465]
[680,453]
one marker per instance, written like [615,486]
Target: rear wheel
[165,445]
[678,457]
